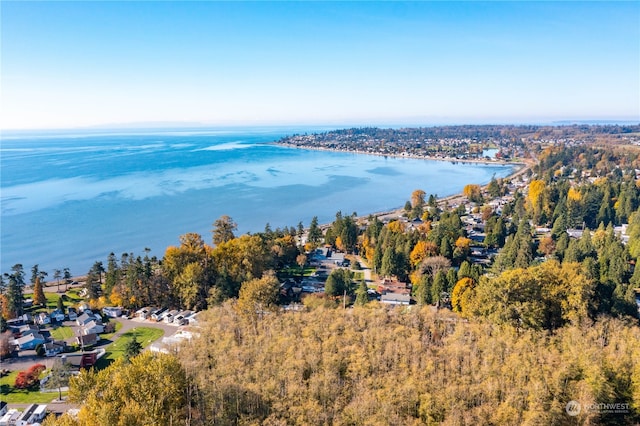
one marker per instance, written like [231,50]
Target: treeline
[194,274]
[479,132]
[371,365]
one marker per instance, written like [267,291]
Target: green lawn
[21,396]
[68,299]
[144,335]
[62,333]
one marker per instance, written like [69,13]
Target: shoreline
[407,156]
[519,167]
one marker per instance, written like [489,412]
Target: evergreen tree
[15,291]
[315,233]
[112,274]
[439,287]
[132,348]
[422,290]
[38,293]
[362,297]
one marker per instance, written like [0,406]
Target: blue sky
[254,63]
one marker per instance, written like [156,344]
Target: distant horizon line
[196,125]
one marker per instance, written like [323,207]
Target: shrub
[40,351]
[29,378]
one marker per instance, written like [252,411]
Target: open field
[144,335]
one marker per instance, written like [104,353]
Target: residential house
[388,285]
[159,314]
[87,317]
[33,414]
[84,307]
[111,311]
[181,318]
[54,348]
[92,327]
[170,316]
[192,319]
[72,314]
[43,318]
[27,329]
[30,341]
[87,340]
[57,316]
[144,313]
[10,417]
[395,299]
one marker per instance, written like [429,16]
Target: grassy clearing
[144,335]
[23,396]
[62,333]
[68,299]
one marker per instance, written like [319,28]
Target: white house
[10,417]
[159,314]
[181,318]
[144,313]
[87,317]
[395,299]
[34,413]
[43,318]
[170,316]
[111,311]
[92,327]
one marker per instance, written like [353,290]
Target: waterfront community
[549,249]
[319,213]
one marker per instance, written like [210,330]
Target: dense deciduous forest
[524,298]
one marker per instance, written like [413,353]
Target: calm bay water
[71,199]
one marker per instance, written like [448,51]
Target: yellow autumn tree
[417,198]
[116,298]
[473,192]
[151,389]
[396,226]
[418,253]
[258,296]
[574,195]
[462,294]
[535,192]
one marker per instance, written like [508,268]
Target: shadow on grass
[103,362]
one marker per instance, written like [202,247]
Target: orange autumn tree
[421,251]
